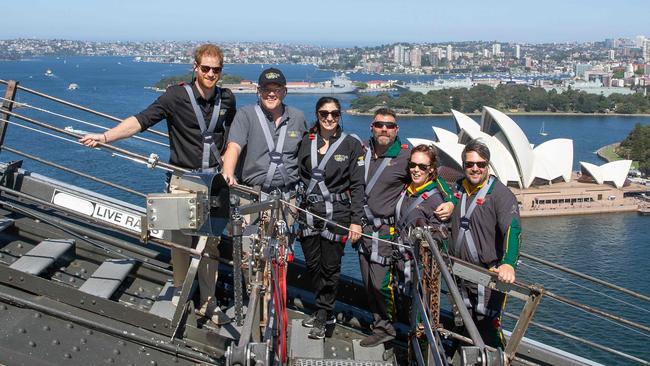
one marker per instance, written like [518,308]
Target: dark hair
[385,112]
[321,102]
[478,147]
[432,153]
[208,50]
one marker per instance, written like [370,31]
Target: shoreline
[353,112]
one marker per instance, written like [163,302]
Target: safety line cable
[77,106]
[79,143]
[343,227]
[585,287]
[20,104]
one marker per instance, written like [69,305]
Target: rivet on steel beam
[55,342]
[67,355]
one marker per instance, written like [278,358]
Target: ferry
[85,279]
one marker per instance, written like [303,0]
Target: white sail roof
[614,172]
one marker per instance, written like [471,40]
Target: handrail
[77,106]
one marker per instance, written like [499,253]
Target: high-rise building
[581,69]
[398,54]
[639,41]
[416,57]
[486,53]
[517,51]
[450,53]
[612,54]
[646,50]
[496,50]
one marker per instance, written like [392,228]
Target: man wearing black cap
[267,135]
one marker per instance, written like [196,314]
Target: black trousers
[323,259]
[380,290]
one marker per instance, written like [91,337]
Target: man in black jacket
[198,118]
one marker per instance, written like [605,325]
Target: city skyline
[336,23]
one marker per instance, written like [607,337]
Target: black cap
[272,75]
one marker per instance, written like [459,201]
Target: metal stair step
[42,256]
[301,345]
[163,306]
[108,277]
[375,353]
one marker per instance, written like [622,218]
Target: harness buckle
[275,157]
[464,223]
[208,137]
[312,198]
[317,174]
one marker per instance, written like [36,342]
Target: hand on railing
[92,139]
[506,273]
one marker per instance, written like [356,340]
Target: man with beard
[386,174]
[486,231]
[198,117]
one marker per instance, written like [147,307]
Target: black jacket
[343,173]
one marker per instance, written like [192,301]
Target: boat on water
[73,86]
[85,279]
[340,84]
[437,84]
[49,73]
[542,132]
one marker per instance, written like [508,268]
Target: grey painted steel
[375,353]
[42,256]
[301,346]
[163,307]
[100,323]
[188,286]
[75,172]
[7,106]
[5,223]
[587,277]
[138,157]
[108,277]
[453,289]
[77,106]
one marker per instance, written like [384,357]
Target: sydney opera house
[541,175]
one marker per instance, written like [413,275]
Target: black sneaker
[376,339]
[309,322]
[318,329]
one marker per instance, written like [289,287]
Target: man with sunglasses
[267,135]
[486,231]
[198,118]
[386,174]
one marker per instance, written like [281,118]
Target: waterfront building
[450,53]
[416,57]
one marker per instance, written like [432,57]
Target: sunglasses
[380,124]
[335,114]
[422,167]
[206,69]
[480,164]
[267,91]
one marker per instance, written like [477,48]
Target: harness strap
[207,132]
[325,233]
[466,233]
[275,151]
[318,176]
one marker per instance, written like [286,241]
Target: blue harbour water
[614,247]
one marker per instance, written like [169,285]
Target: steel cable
[26,105]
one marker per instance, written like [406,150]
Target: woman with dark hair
[416,207]
[332,184]
[420,198]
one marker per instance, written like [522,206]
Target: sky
[327,23]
